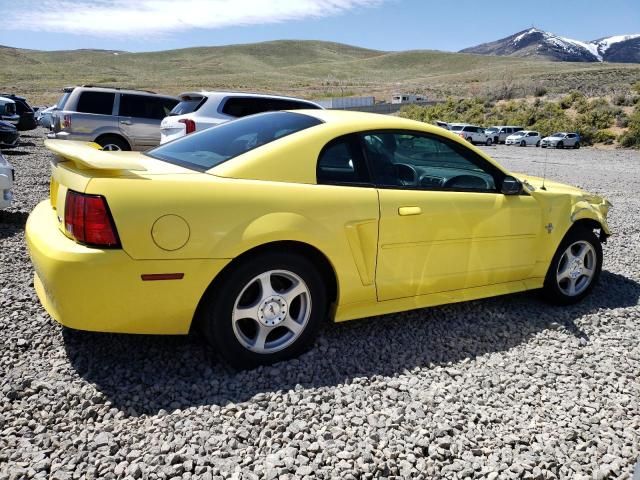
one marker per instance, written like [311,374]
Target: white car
[472,134]
[524,138]
[201,110]
[8,111]
[6,182]
[561,140]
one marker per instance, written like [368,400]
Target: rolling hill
[311,69]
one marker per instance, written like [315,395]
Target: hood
[551,185]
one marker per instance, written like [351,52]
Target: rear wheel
[577,145]
[488,142]
[538,143]
[575,267]
[113,143]
[265,310]
[470,140]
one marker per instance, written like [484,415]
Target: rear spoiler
[87,155]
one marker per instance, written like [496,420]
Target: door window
[341,162]
[143,106]
[96,102]
[424,161]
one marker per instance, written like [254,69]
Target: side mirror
[511,186]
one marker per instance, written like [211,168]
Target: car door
[444,225]
[140,116]
[570,140]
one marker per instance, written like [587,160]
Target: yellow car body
[389,249]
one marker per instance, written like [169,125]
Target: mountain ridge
[534,42]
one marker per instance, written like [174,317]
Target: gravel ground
[500,388]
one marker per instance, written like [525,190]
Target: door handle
[125,122]
[405,211]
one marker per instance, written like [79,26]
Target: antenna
[544,172]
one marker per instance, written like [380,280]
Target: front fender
[592,208]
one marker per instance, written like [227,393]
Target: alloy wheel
[576,268]
[271,311]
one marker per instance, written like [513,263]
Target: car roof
[117,89]
[273,161]
[224,94]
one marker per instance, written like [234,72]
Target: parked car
[23,109]
[254,231]
[44,116]
[200,110]
[7,177]
[473,134]
[561,140]
[8,111]
[114,118]
[500,133]
[523,138]
[9,135]
[442,124]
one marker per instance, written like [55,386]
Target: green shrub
[540,91]
[631,139]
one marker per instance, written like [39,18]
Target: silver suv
[114,118]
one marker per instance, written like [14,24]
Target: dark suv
[27,115]
[114,118]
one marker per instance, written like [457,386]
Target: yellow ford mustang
[259,229]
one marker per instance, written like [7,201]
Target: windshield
[491,130]
[519,134]
[188,105]
[204,150]
[62,101]
[560,134]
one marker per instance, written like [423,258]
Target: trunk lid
[75,164]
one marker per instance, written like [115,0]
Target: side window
[143,106]
[96,102]
[425,161]
[341,162]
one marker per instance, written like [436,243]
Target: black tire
[523,143]
[215,312]
[577,145]
[107,142]
[489,142]
[470,140]
[551,290]
[560,145]
[538,143]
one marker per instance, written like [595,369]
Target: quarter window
[423,161]
[100,103]
[143,106]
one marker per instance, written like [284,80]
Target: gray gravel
[500,388]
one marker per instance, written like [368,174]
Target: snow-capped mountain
[538,43]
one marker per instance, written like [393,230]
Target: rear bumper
[102,290]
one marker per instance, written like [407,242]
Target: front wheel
[265,310]
[523,143]
[488,142]
[560,145]
[575,267]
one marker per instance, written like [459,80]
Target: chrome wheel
[111,147]
[271,311]
[576,268]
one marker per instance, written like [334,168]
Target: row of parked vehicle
[121,119]
[512,135]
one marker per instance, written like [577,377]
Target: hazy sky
[143,25]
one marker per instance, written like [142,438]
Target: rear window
[244,106]
[457,128]
[204,150]
[188,105]
[96,102]
[145,106]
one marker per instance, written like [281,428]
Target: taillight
[88,220]
[461,135]
[189,125]
[66,121]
